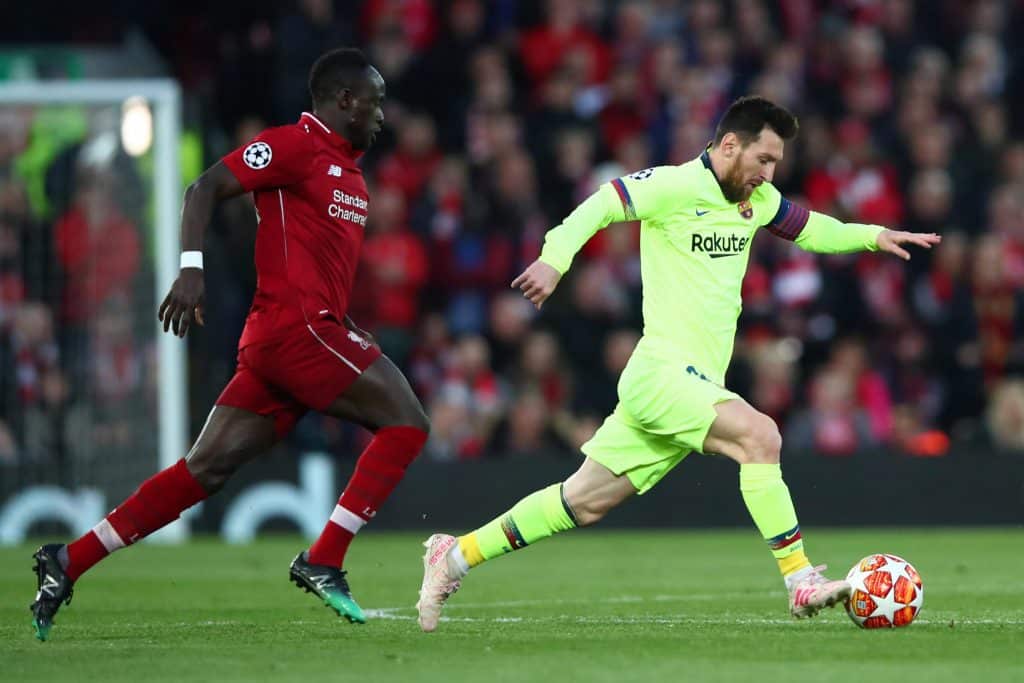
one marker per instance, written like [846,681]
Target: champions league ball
[886,591]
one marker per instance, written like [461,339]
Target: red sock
[378,470]
[155,504]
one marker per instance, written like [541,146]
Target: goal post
[159,101]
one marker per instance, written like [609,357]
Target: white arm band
[192,259]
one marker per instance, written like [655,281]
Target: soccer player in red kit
[299,349]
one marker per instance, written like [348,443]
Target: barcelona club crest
[745,209]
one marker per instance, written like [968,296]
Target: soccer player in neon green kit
[697,222]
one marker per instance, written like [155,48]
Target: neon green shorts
[665,411]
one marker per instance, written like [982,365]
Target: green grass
[589,606]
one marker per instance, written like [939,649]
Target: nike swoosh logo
[701,213]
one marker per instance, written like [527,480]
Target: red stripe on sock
[156,503]
[378,470]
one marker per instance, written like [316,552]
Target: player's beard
[733,186]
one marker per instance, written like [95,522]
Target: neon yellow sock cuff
[470,548]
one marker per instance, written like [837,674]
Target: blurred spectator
[595,393]
[412,164]
[541,370]
[472,387]
[850,356]
[832,424]
[431,356]
[999,309]
[598,304]
[451,433]
[414,18]
[98,248]
[116,362]
[55,425]
[510,319]
[563,40]
[527,429]
[913,437]
[774,375]
[34,348]
[306,31]
[1005,415]
[12,284]
[439,81]
[8,446]
[855,184]
[394,269]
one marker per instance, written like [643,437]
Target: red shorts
[308,367]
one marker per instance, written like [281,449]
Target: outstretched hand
[537,282]
[889,241]
[184,303]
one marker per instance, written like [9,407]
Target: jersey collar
[334,139]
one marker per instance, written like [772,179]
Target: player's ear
[345,98]
[730,143]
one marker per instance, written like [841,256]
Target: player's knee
[211,469]
[762,442]
[589,514]
[587,510]
[419,420]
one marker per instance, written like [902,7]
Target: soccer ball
[886,591]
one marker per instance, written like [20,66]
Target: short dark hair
[334,71]
[748,115]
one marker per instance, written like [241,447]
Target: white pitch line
[393,613]
[666,620]
[613,600]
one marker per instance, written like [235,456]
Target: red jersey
[311,206]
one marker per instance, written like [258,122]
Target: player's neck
[333,125]
[718,164]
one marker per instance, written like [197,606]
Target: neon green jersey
[694,246]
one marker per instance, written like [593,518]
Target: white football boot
[440,579]
[812,592]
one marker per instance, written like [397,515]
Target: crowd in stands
[502,116]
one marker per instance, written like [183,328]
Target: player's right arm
[639,196]
[278,157]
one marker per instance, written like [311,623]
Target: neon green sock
[770,505]
[535,517]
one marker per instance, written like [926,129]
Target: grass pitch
[587,606]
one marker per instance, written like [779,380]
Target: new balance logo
[717,246]
[320,581]
[49,586]
[334,170]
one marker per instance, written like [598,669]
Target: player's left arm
[823,234]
